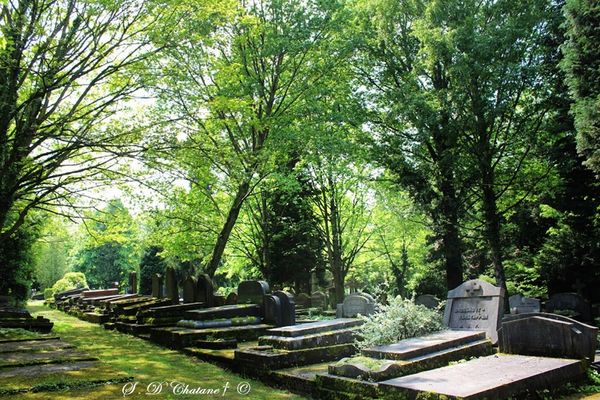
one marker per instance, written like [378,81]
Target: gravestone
[189,289]
[288,308]
[571,305]
[303,300]
[475,305]
[272,310]
[132,282]
[157,286]
[547,335]
[171,284]
[205,290]
[314,282]
[318,300]
[252,292]
[355,304]
[522,305]
[231,298]
[332,303]
[428,300]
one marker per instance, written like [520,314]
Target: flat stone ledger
[519,304]
[548,335]
[418,346]
[315,327]
[157,286]
[252,292]
[496,376]
[100,293]
[232,311]
[475,305]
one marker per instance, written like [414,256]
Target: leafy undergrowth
[148,364]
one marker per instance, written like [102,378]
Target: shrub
[399,320]
[71,280]
[48,293]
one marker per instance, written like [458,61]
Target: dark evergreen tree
[150,264]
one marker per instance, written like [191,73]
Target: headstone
[252,292]
[205,290]
[331,298]
[231,298]
[132,282]
[314,282]
[157,286]
[318,300]
[171,284]
[218,300]
[272,310]
[189,289]
[571,305]
[522,305]
[428,300]
[303,300]
[475,305]
[547,335]
[355,304]
[288,308]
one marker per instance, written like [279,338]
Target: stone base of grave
[493,377]
[177,337]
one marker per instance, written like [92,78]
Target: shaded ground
[148,364]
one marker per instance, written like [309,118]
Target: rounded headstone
[288,307]
[252,292]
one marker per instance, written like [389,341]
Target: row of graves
[257,332]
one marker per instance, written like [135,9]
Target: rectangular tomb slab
[231,311]
[414,347]
[315,327]
[493,377]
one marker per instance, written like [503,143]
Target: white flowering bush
[399,320]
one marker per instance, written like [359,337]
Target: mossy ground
[145,361]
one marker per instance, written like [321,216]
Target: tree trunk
[451,242]
[223,237]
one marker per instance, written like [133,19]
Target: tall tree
[582,65]
[61,75]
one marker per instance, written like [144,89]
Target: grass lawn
[147,363]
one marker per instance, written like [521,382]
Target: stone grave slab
[288,307]
[205,289]
[189,289]
[315,327]
[307,341]
[252,292]
[475,305]
[34,345]
[428,300]
[171,285]
[157,286]
[548,335]
[569,303]
[232,311]
[177,337]
[21,359]
[521,305]
[496,376]
[418,346]
[100,293]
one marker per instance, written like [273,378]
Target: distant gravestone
[475,305]
[252,292]
[547,335]
[522,305]
[303,300]
[218,300]
[272,310]
[171,284]
[355,304]
[132,282]
[189,290]
[231,298]
[288,308]
[205,290]
[157,286]
[428,300]
[318,300]
[331,298]
[571,305]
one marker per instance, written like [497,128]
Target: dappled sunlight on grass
[146,362]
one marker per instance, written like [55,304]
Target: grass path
[147,363]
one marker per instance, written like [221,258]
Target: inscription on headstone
[475,305]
